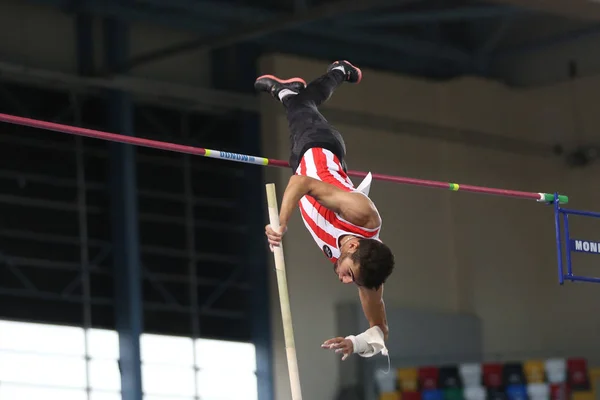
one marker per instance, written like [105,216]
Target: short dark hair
[376,262]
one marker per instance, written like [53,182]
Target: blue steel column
[124,214]
[236,69]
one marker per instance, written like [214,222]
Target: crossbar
[249,159]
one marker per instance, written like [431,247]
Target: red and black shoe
[274,85]
[353,74]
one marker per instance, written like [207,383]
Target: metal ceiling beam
[344,42]
[373,56]
[235,14]
[218,16]
[446,15]
[405,44]
[212,99]
[257,30]
[548,42]
[573,9]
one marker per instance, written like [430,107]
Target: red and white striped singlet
[326,226]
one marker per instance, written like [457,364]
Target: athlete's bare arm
[354,207]
[374,308]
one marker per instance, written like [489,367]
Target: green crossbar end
[549,198]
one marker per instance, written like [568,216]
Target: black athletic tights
[308,128]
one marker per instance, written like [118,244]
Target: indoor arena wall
[457,252]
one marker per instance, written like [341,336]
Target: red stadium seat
[428,378]
[411,395]
[559,391]
[492,375]
[577,374]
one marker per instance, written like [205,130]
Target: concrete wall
[491,256]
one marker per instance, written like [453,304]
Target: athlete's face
[345,268]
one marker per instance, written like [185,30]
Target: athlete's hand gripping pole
[284,297]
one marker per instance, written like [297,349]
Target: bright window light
[20,392]
[42,370]
[224,385]
[168,380]
[103,344]
[39,338]
[173,350]
[151,397]
[105,375]
[105,396]
[225,355]
[47,361]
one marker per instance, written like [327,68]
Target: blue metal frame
[125,226]
[569,243]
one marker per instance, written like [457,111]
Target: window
[48,361]
[9,391]
[41,339]
[226,370]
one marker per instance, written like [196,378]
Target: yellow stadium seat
[390,396]
[408,379]
[582,396]
[534,371]
[595,378]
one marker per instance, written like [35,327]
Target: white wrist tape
[369,343]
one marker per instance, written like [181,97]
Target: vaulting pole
[284,297]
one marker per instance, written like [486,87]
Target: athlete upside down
[343,221]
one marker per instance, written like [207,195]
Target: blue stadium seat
[432,394]
[516,392]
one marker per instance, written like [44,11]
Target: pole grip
[284,297]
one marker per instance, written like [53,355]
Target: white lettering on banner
[585,246]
